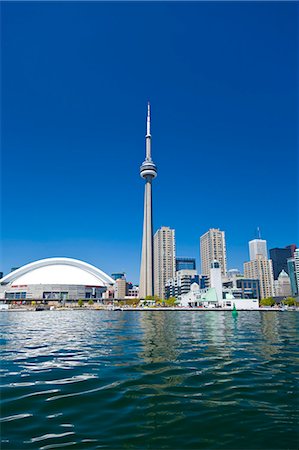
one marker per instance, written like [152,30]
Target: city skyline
[73,130]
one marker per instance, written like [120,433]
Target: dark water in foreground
[167,379]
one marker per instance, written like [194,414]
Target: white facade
[283,285]
[164,259]
[55,278]
[208,298]
[181,282]
[257,247]
[148,171]
[212,246]
[261,268]
[216,280]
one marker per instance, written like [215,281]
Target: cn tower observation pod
[55,278]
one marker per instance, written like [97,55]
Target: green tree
[267,301]
[90,301]
[80,302]
[153,297]
[290,301]
[171,301]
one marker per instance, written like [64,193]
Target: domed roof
[58,271]
[283,274]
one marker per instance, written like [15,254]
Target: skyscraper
[164,259]
[212,246]
[148,171]
[279,258]
[257,247]
[260,267]
[262,270]
[292,275]
[296,258]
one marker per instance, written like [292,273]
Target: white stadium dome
[55,271]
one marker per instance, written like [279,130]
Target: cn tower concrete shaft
[148,171]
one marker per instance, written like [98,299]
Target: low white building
[207,298]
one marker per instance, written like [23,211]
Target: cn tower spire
[148,121]
[148,171]
[148,136]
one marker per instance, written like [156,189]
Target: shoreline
[145,309]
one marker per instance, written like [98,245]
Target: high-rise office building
[262,270]
[296,258]
[148,171]
[257,247]
[185,264]
[292,247]
[212,246]
[292,275]
[164,259]
[279,258]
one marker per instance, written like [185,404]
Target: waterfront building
[133,292]
[242,287]
[279,258]
[208,298]
[215,279]
[148,171]
[262,270]
[164,259]
[55,279]
[296,258]
[212,247]
[257,247]
[292,275]
[185,264]
[120,288]
[283,285]
[180,283]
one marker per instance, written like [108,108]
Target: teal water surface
[159,379]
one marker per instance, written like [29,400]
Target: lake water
[159,379]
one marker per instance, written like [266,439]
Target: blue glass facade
[250,288]
[279,258]
[185,264]
[292,275]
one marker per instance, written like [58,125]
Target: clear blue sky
[222,79]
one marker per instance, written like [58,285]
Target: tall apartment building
[262,270]
[212,247]
[120,288]
[164,259]
[257,247]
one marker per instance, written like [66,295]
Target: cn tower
[148,171]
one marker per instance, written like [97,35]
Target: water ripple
[88,379]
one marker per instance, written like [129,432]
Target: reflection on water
[93,379]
